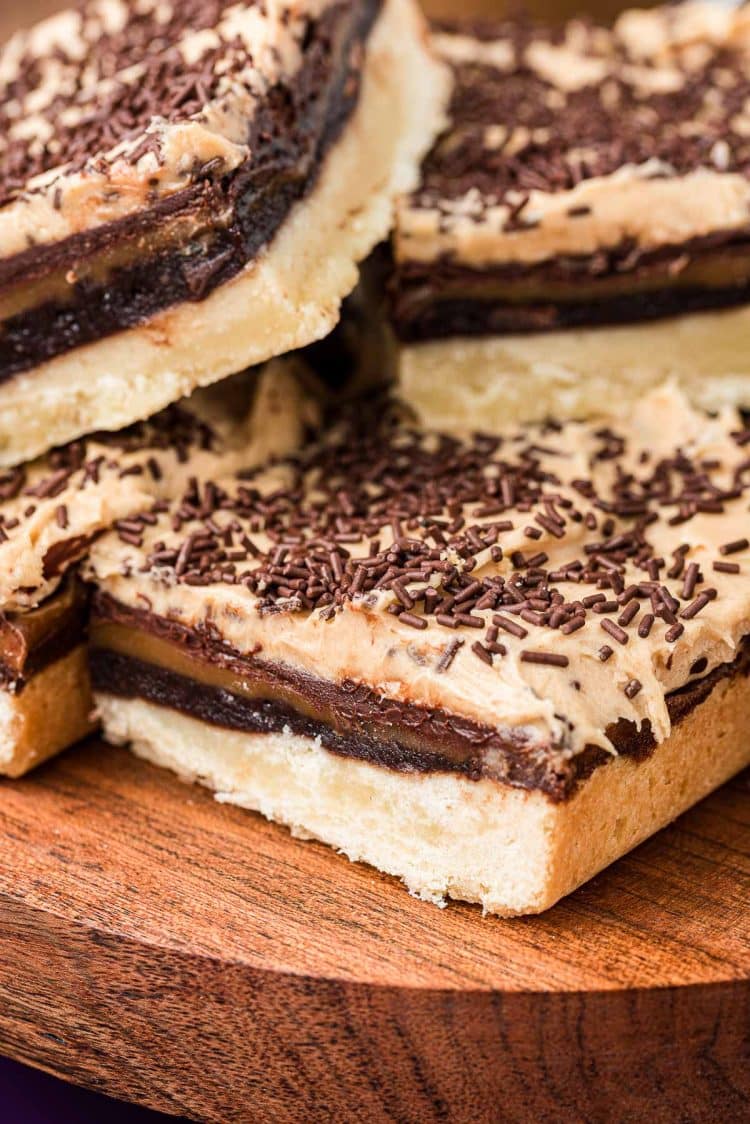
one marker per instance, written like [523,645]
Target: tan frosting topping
[519,186]
[252,47]
[572,698]
[635,203]
[53,507]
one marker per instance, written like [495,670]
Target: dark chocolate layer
[290,137]
[349,718]
[448,319]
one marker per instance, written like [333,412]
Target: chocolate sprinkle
[550,659]
[97,107]
[726,567]
[449,655]
[734,547]
[606,118]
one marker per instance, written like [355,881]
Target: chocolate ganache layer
[136,654]
[181,246]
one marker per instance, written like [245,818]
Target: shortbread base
[287,298]
[488,382]
[53,711]
[514,852]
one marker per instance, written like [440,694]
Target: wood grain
[192,957]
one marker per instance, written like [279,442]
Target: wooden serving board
[192,957]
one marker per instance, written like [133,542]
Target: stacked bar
[489,666]
[583,222]
[185,190]
[54,508]
[487,632]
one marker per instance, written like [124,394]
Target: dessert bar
[584,221]
[487,665]
[185,190]
[52,509]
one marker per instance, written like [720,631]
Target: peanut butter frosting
[551,580]
[112,106]
[587,140]
[53,508]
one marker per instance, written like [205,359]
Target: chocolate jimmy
[482,652]
[694,608]
[572,625]
[605,607]
[510,626]
[615,631]
[691,580]
[645,626]
[449,655]
[734,547]
[549,659]
[726,567]
[629,613]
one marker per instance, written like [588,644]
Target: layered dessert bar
[486,665]
[185,190]
[584,221]
[52,509]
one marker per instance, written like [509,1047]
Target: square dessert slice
[584,221]
[489,666]
[186,189]
[52,509]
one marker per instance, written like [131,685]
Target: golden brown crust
[52,711]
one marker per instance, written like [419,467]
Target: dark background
[30,1097]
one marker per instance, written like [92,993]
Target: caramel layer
[30,641]
[135,654]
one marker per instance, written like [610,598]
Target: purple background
[30,1097]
